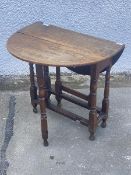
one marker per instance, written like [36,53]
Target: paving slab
[69,152]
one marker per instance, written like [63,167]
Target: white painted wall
[110,19]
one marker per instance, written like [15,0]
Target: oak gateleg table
[45,46]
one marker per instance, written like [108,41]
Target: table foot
[92,137]
[46,143]
[59,103]
[35,110]
[103,124]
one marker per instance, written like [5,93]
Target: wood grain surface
[55,46]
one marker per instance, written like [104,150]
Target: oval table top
[55,46]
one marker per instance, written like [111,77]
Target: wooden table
[53,46]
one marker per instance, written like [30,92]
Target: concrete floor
[69,152]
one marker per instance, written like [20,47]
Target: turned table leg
[33,88]
[47,83]
[105,102]
[58,86]
[42,99]
[93,112]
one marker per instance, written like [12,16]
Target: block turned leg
[58,86]
[105,102]
[33,88]
[93,112]
[42,99]
[47,83]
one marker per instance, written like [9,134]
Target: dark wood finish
[74,92]
[53,46]
[73,116]
[89,98]
[78,102]
[58,86]
[68,114]
[42,100]
[73,100]
[105,102]
[47,83]
[33,88]
[93,111]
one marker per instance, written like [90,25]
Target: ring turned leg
[105,102]
[47,83]
[93,112]
[33,89]
[58,86]
[42,97]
